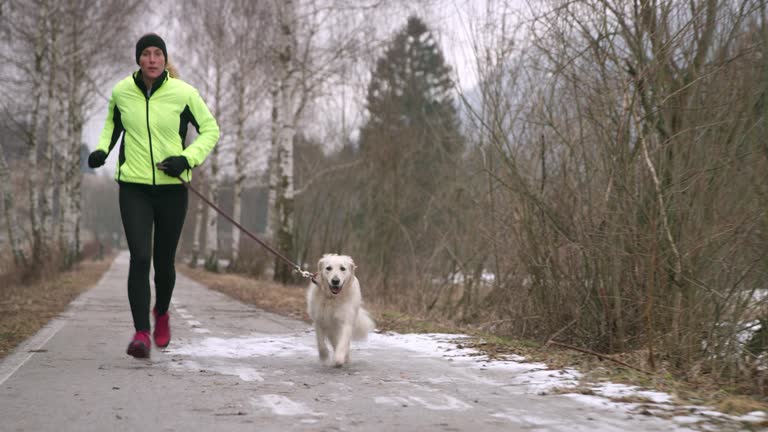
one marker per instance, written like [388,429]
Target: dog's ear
[321,264]
[352,266]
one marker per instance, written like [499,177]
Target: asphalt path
[232,367]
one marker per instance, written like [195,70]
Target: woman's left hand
[174,165]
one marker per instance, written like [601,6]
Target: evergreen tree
[410,143]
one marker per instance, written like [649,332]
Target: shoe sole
[138,350]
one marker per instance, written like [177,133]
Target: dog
[334,304]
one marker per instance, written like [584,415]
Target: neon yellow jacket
[155,125]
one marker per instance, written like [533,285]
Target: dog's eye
[329,268]
[343,268]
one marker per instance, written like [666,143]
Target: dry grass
[290,300]
[286,300]
[704,391]
[26,307]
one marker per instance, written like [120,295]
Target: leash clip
[303,273]
[306,274]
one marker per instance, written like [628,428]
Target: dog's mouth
[335,289]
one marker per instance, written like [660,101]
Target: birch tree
[51,93]
[36,43]
[208,64]
[47,181]
[308,51]
[284,93]
[111,19]
[31,80]
[249,24]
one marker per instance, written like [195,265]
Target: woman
[151,110]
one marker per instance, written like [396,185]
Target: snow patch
[281,405]
[447,403]
[244,347]
[612,390]
[243,372]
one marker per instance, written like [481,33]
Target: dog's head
[335,271]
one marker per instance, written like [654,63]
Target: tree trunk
[39,249]
[285,129]
[47,183]
[239,171]
[71,198]
[9,212]
[212,246]
[71,178]
[269,230]
[199,221]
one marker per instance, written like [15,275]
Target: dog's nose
[335,281]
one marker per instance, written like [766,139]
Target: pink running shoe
[140,345]
[162,333]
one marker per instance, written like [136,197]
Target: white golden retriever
[334,303]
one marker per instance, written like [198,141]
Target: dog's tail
[363,325]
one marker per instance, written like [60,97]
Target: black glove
[96,158]
[174,165]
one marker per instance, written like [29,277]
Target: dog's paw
[340,359]
[323,354]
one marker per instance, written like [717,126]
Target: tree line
[602,185]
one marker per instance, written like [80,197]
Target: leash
[295,266]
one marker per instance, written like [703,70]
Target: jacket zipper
[149,135]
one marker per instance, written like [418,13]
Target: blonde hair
[172,71]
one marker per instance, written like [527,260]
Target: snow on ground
[535,378]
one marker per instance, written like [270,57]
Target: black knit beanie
[150,40]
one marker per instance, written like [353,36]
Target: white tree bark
[198,224]
[212,227]
[212,46]
[47,182]
[247,26]
[239,174]
[72,180]
[284,114]
[39,249]
[69,238]
[272,221]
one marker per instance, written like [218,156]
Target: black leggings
[141,206]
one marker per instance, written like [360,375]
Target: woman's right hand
[97,158]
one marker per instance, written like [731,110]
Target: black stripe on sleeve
[185,118]
[117,123]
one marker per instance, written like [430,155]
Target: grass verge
[26,307]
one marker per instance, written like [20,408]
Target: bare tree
[34,38]
[309,50]
[44,66]
[208,64]
[249,23]
[616,151]
[112,20]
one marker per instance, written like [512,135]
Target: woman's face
[152,62]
